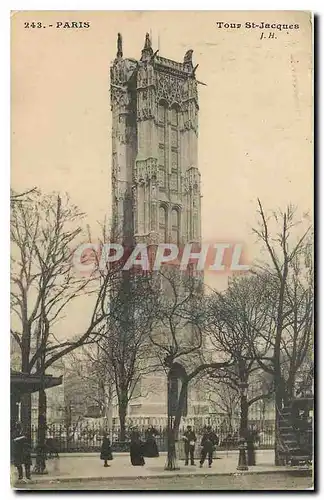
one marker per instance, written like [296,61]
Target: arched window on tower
[162,124]
[195,226]
[162,223]
[174,148]
[174,117]
[162,108]
[175,226]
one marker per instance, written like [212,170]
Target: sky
[255,119]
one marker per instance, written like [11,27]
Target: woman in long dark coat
[106,453]
[251,440]
[151,449]
[136,449]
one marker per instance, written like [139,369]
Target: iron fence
[87,437]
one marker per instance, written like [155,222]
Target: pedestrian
[106,453]
[251,440]
[21,452]
[208,444]
[136,449]
[190,439]
[151,449]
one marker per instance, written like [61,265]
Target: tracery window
[174,132]
[162,223]
[174,181]
[174,129]
[174,160]
[162,124]
[175,226]
[162,113]
[174,117]
[174,138]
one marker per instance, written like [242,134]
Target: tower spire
[119,46]
[147,51]
[148,43]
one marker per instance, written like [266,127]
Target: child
[21,453]
[106,450]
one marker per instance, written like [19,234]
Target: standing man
[208,444]
[190,439]
[21,453]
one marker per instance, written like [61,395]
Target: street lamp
[242,462]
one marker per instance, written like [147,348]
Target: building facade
[155,177]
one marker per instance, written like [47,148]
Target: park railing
[87,437]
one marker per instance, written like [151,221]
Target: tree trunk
[171,456]
[109,408]
[276,360]
[25,409]
[122,411]
[279,396]
[40,467]
[279,400]
[25,413]
[68,425]
[173,429]
[278,403]
[290,386]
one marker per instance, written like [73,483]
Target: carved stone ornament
[153,192]
[151,168]
[154,238]
[146,170]
[119,97]
[169,88]
[126,136]
[145,113]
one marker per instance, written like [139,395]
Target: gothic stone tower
[155,176]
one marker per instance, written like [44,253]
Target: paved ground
[80,469]
[73,466]
[278,481]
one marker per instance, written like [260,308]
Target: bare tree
[20,197]
[297,337]
[305,374]
[179,340]
[44,234]
[290,299]
[126,347]
[89,382]
[234,319]
[226,400]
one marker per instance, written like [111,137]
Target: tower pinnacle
[147,50]
[119,46]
